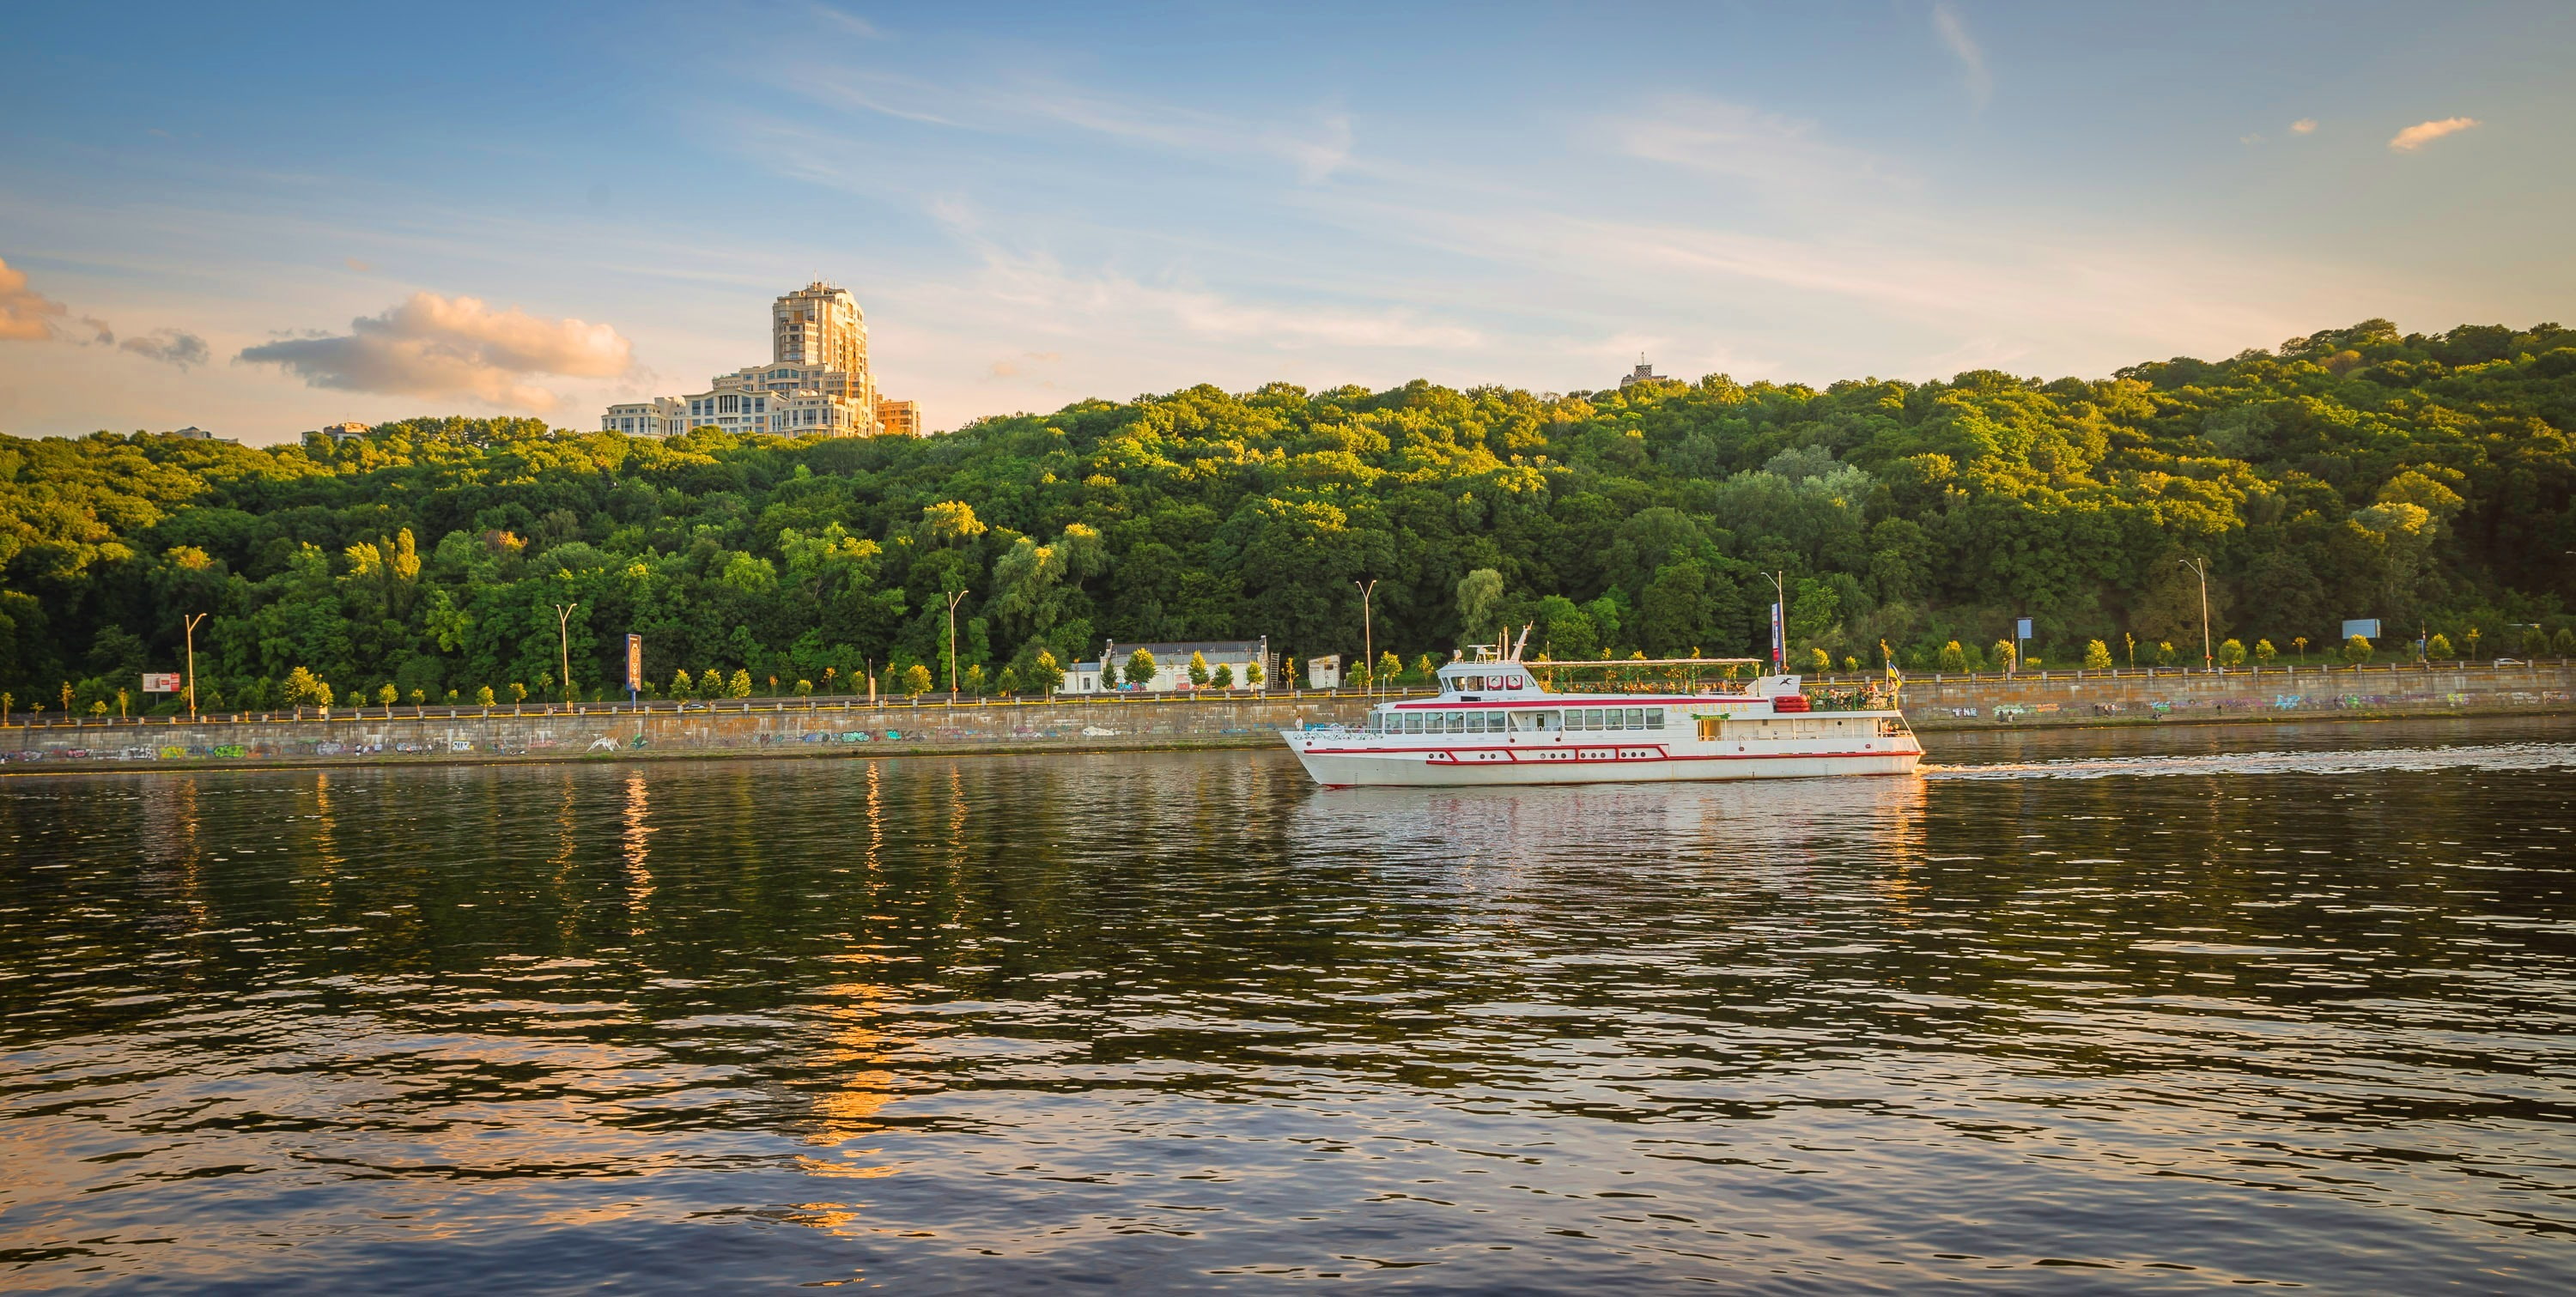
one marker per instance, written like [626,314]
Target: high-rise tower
[819,325]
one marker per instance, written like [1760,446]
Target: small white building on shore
[1172,667]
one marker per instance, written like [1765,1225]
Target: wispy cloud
[1037,286]
[1317,145]
[2422,133]
[452,347]
[1972,60]
[176,347]
[1741,143]
[2304,126]
[848,24]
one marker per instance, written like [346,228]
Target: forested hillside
[2424,480]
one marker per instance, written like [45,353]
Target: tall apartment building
[817,381]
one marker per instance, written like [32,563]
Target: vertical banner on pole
[1779,641]
[634,666]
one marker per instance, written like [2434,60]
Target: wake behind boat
[1495,722]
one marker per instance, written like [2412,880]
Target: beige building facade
[817,382]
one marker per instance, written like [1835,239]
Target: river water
[2164,1010]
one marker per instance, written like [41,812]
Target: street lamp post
[563,637]
[1368,633]
[188,627]
[2200,568]
[952,643]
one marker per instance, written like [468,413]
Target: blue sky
[536,210]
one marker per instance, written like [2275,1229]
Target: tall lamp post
[1368,633]
[2200,568]
[952,643]
[188,627]
[563,637]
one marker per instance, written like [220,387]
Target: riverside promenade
[933,725]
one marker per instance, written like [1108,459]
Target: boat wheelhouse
[1499,720]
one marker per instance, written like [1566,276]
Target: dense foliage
[2425,480]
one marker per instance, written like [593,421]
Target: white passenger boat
[1494,721]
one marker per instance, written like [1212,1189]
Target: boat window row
[1578,719]
[1462,684]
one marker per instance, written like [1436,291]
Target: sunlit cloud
[25,314]
[2304,126]
[2422,133]
[452,347]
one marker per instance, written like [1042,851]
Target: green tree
[711,684]
[483,698]
[2356,650]
[2164,653]
[1820,662]
[303,689]
[2097,656]
[1044,674]
[385,696]
[1223,676]
[681,685]
[1140,669]
[2535,642]
[2264,652]
[2231,653]
[1953,657]
[1480,601]
[1108,672]
[971,680]
[518,695]
[2564,642]
[1390,668]
[1008,682]
[804,688]
[2004,655]
[740,685]
[1252,670]
[916,680]
[1198,669]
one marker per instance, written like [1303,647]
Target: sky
[258,219]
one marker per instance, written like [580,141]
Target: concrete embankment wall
[2097,698]
[765,728]
[1171,721]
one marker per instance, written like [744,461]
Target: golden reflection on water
[637,840]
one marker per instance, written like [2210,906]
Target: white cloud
[2304,126]
[1972,60]
[176,347]
[25,314]
[2422,133]
[453,347]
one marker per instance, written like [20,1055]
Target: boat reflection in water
[1631,828]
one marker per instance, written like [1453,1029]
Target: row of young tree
[2425,480]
